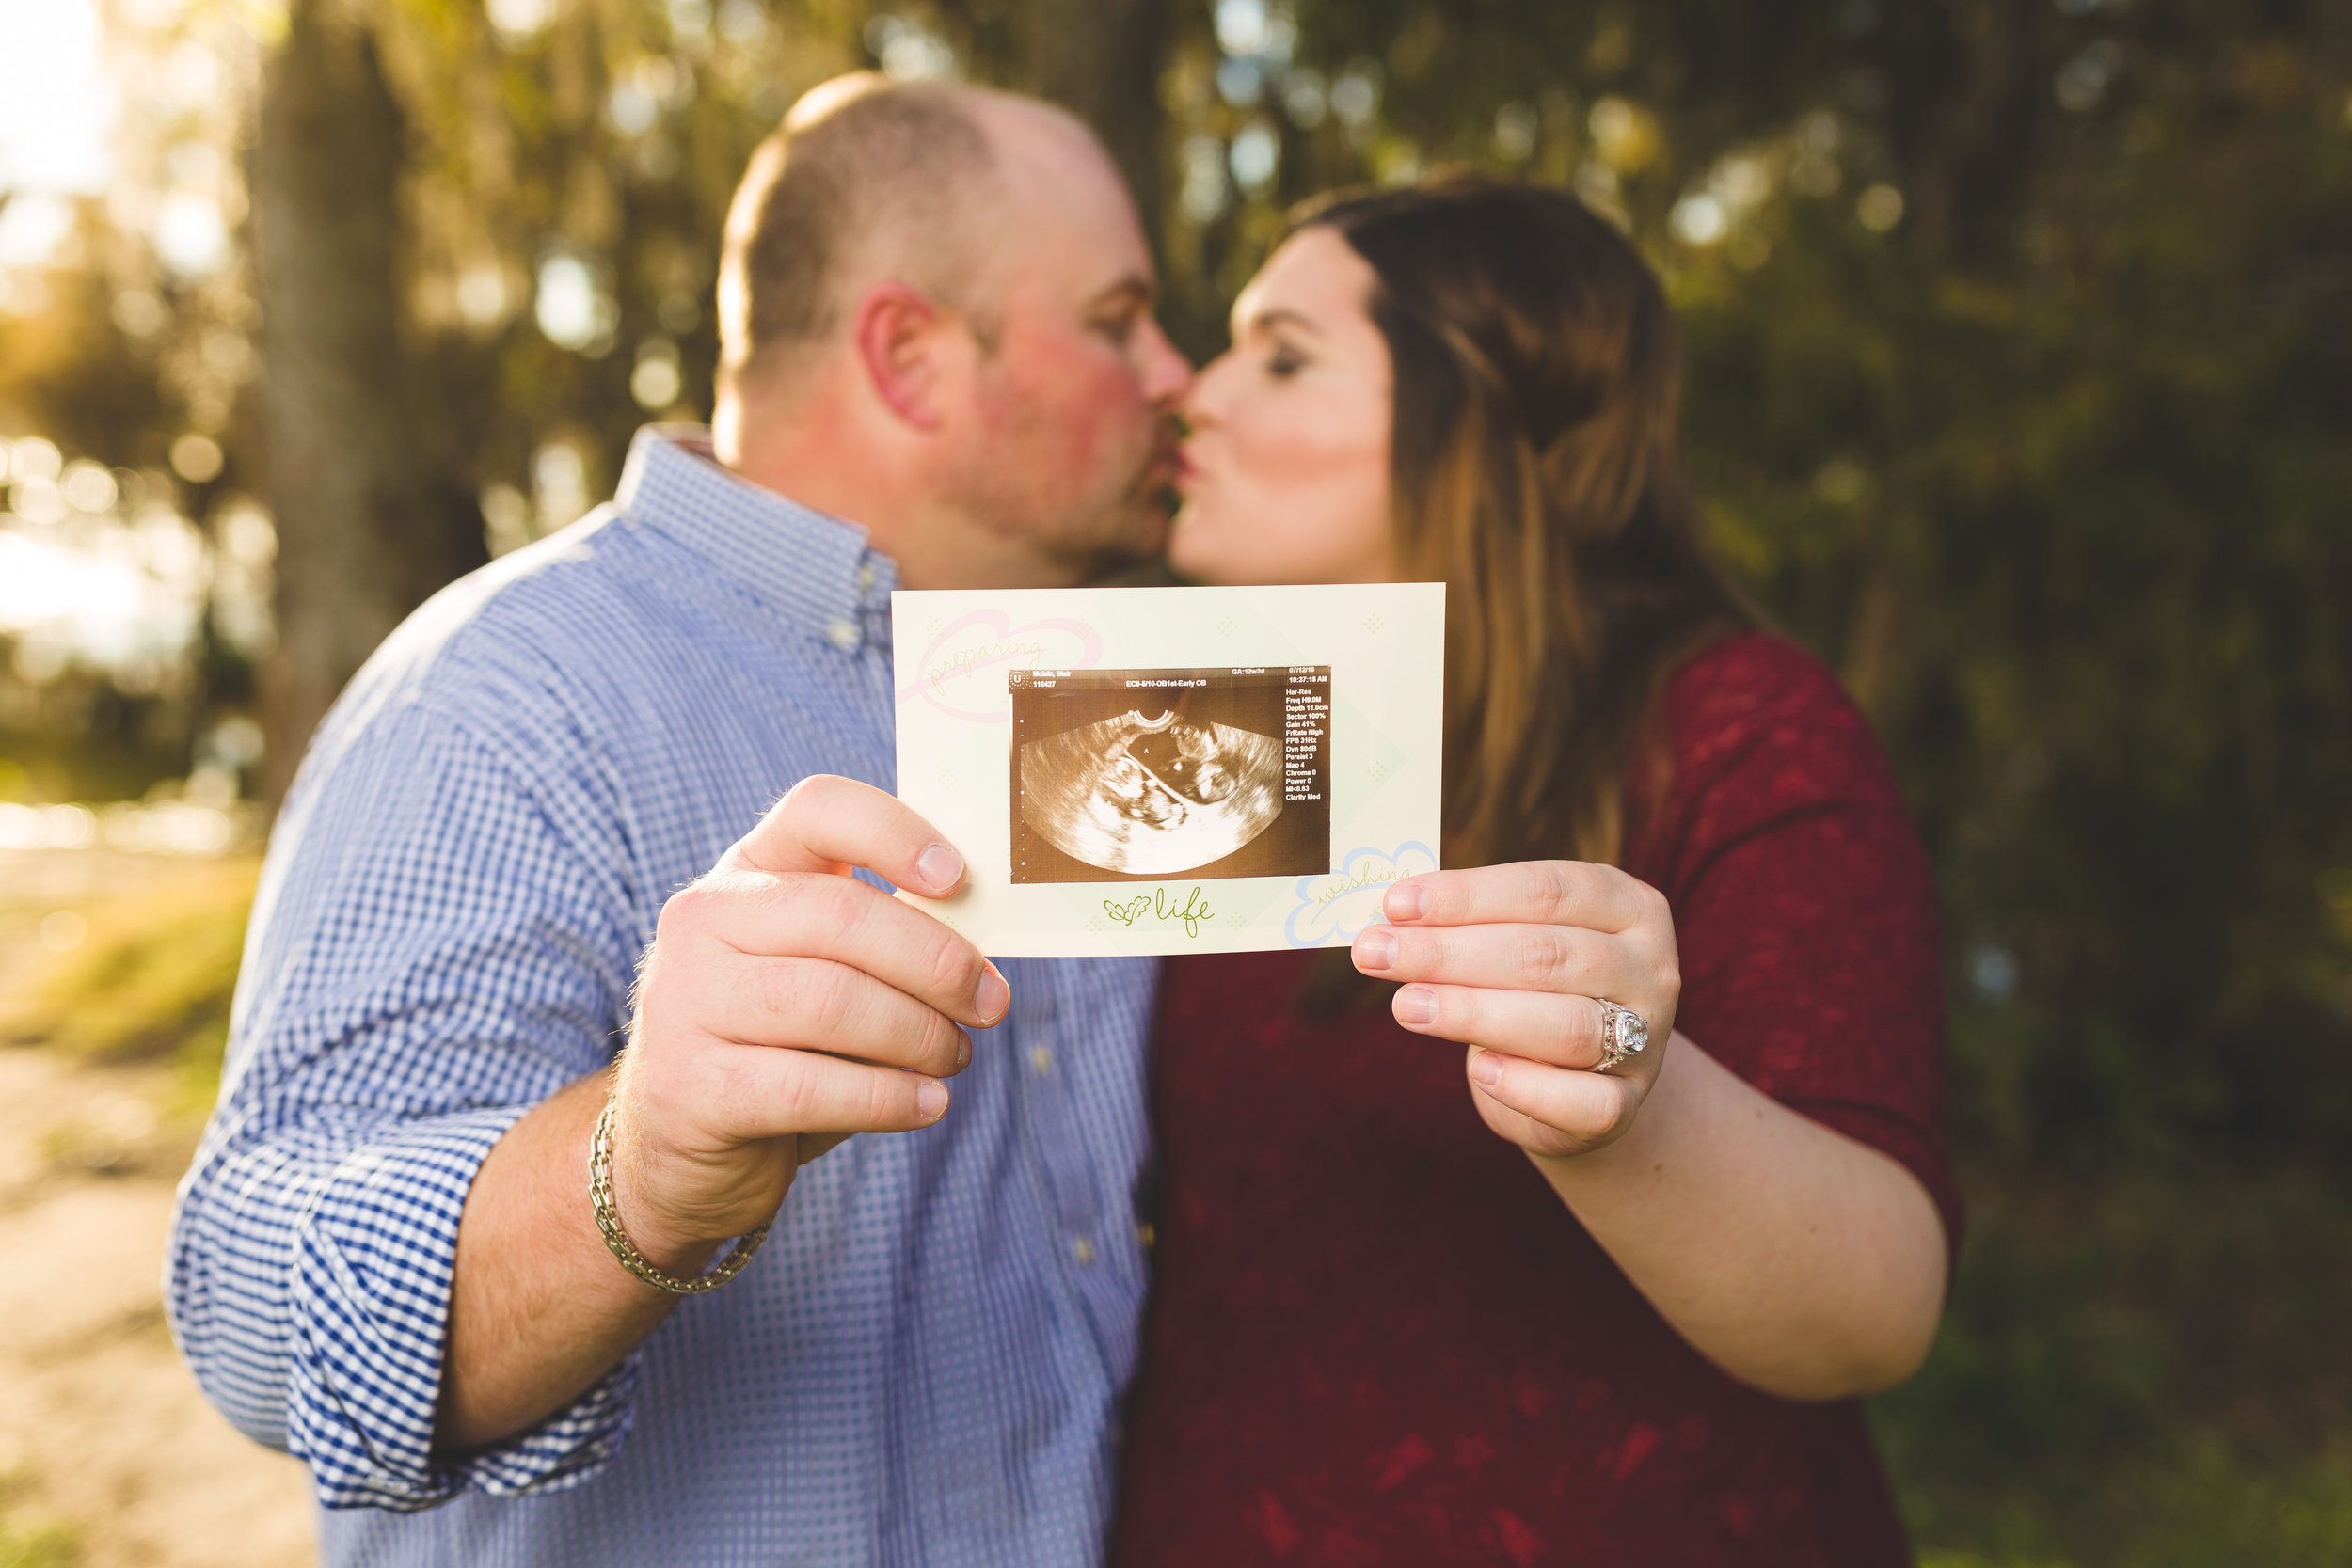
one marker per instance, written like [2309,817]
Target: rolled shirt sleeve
[440,943]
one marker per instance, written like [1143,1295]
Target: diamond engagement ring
[1622,1035]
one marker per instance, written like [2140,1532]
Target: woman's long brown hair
[1533,471]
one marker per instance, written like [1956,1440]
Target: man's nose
[1167,373]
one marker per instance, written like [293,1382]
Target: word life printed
[1159,906]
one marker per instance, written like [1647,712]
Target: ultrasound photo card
[1142,770]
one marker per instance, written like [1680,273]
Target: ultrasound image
[1151,797]
[1169,781]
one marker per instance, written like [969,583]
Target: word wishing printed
[1369,877]
[1332,909]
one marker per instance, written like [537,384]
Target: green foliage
[2016,343]
[2077,529]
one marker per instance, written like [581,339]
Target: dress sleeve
[430,956]
[1803,904]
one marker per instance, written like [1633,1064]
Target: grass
[47,1547]
[2144,1365]
[2140,1369]
[25,1544]
[2201,1507]
[152,978]
[149,981]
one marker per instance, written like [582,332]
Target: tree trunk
[364,534]
[1100,59]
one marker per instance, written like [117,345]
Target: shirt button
[843,634]
[865,577]
[1081,1249]
[1040,1060]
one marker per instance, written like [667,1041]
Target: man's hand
[1509,959]
[785,1006]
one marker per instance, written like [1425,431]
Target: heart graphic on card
[960,672]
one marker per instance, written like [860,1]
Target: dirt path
[103,1432]
[104,1440]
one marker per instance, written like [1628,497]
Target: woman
[1583,1306]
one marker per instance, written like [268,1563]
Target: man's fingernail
[1416,1005]
[1407,902]
[940,866]
[1376,950]
[931,1099]
[990,1000]
[963,1050]
[1487,1068]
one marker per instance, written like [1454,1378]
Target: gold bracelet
[609,1221]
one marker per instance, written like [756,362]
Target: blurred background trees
[2020,386]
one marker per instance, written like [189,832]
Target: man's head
[935,318]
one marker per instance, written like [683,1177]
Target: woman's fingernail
[1407,902]
[931,1099]
[989,1001]
[1416,1005]
[1376,950]
[940,867]
[1487,1068]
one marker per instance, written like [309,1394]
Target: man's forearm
[781,1007]
[539,1308]
[1792,1257]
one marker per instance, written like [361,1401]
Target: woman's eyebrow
[1280,316]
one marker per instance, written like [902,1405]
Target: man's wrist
[668,1248]
[616,1238]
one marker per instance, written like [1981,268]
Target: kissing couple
[1566,1217]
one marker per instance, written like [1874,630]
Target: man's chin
[1117,541]
[1131,557]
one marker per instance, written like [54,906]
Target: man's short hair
[865,178]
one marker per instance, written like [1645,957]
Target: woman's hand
[1510,959]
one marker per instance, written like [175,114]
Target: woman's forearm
[1795,1259]
[1790,1255]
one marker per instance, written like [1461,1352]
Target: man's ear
[897,332]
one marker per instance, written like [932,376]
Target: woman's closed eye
[1284,361]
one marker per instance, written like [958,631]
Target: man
[936,321]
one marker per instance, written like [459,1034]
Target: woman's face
[1285,468]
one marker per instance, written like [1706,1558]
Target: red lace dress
[1377,1337]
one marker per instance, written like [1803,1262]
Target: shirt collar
[817,571]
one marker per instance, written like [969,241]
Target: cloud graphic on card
[1342,902]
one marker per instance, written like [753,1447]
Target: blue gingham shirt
[923,1366]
